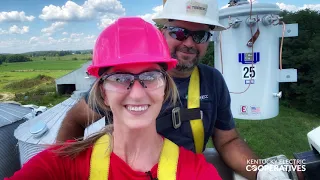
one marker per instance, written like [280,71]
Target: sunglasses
[182,34]
[123,82]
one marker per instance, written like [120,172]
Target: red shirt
[47,165]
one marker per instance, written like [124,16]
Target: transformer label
[244,110]
[249,73]
[250,81]
[247,58]
[249,110]
[255,109]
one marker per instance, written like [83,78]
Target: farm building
[11,116]
[77,80]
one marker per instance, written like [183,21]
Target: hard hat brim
[170,63]
[163,19]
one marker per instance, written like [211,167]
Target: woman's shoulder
[190,156]
[195,166]
[59,155]
[50,164]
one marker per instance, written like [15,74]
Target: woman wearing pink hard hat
[130,60]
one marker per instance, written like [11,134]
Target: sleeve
[225,119]
[44,165]
[206,170]
[194,166]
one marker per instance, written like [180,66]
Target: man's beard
[184,67]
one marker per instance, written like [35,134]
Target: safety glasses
[122,82]
[182,34]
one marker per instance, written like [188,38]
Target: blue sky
[36,25]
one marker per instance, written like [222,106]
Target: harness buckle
[176,120]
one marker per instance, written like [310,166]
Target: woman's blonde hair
[95,101]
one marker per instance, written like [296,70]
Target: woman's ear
[163,30]
[106,102]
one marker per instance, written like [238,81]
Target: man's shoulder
[209,71]
[210,75]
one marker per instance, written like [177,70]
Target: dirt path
[6,97]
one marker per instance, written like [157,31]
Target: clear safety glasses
[182,34]
[122,82]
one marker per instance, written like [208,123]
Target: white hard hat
[197,11]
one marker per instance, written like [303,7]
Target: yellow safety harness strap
[167,167]
[194,102]
[100,160]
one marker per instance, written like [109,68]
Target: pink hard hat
[130,40]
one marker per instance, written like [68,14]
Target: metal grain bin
[36,134]
[11,115]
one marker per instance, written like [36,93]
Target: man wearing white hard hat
[205,100]
[187,25]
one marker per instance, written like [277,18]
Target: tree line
[303,53]
[56,53]
[14,58]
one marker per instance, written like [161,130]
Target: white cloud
[78,41]
[104,22]
[104,10]
[33,40]
[294,8]
[57,26]
[11,44]
[15,16]
[92,37]
[110,6]
[3,31]
[75,35]
[65,33]
[15,30]
[156,11]
[227,5]
[68,12]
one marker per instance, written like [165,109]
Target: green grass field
[8,77]
[21,80]
[42,65]
[53,66]
[285,134]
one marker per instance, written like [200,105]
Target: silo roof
[10,113]
[48,122]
